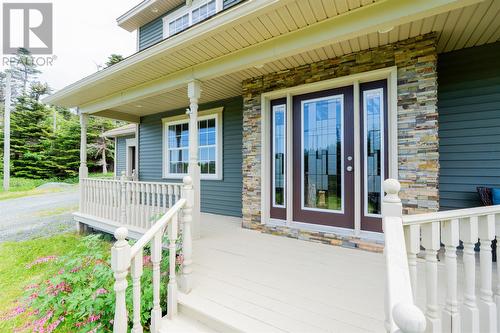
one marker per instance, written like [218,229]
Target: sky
[85,34]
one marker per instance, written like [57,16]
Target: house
[286,116]
[125,149]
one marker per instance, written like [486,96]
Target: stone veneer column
[418,159]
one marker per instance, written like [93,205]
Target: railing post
[123,202]
[187,242]
[401,313]
[120,263]
[172,283]
[431,243]
[497,292]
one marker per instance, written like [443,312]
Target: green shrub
[80,297]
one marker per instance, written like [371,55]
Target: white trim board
[390,74]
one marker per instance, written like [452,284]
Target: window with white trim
[176,146]
[204,11]
[178,24]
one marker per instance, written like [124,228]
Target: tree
[23,70]
[30,137]
[113,59]
[100,146]
[39,89]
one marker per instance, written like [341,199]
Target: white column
[84,171]
[497,291]
[194,93]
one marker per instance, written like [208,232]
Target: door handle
[349,168]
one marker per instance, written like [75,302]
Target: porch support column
[83,171]
[194,93]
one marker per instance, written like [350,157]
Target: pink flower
[100,291]
[179,259]
[40,261]
[146,260]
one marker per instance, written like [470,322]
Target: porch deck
[255,282]
[279,284]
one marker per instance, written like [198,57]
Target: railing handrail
[118,180]
[450,215]
[157,226]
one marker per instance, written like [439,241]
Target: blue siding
[121,154]
[151,33]
[469,124]
[217,196]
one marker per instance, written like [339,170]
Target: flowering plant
[80,297]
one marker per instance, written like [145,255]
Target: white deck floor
[263,283]
[287,284]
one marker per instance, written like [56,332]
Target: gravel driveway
[39,215]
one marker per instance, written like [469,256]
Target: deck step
[183,323]
[219,318]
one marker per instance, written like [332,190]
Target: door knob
[349,168]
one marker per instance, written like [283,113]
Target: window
[178,24]
[176,145]
[278,121]
[202,12]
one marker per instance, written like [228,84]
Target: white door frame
[128,159]
[389,73]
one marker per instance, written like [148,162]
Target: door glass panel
[322,165]
[373,149]
[279,155]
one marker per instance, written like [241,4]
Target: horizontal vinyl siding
[469,124]
[217,196]
[151,33]
[121,152]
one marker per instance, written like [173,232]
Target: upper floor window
[200,11]
[178,24]
[204,11]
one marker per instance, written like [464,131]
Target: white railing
[402,315]
[431,230]
[127,202]
[125,257]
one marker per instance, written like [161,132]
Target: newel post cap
[121,234]
[409,318]
[187,180]
[392,187]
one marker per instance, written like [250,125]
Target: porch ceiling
[459,24]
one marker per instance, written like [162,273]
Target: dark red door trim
[345,220]
[276,212]
[370,223]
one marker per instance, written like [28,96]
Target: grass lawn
[22,187]
[14,275]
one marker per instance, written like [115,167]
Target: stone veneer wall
[418,159]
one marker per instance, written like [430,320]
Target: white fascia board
[339,28]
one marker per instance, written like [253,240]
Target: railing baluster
[450,237]
[487,308]
[172,283]
[469,312]
[170,193]
[412,240]
[148,204]
[155,260]
[143,206]
[177,193]
[497,294]
[120,262]
[136,273]
[123,202]
[164,197]
[431,243]
[185,282]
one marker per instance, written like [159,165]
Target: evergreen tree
[64,152]
[29,138]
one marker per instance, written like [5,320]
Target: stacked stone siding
[418,160]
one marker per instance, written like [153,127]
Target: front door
[323,150]
[322,172]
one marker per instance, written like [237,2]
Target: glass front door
[323,158]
